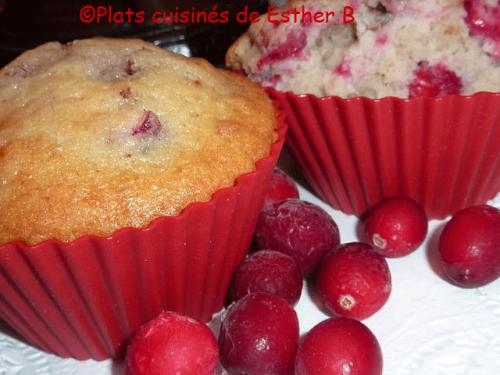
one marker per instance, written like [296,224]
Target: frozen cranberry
[483,18]
[148,125]
[396,226]
[259,336]
[299,229]
[469,246]
[270,272]
[293,46]
[280,188]
[339,346]
[354,281]
[172,344]
[434,80]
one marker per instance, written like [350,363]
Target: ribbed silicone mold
[85,298]
[442,152]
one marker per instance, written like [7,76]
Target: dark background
[25,24]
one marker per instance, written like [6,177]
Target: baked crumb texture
[378,55]
[102,134]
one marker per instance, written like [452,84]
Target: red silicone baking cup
[83,299]
[442,152]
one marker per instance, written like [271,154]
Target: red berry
[269,272]
[297,228]
[354,281]
[396,226]
[280,188]
[172,344]
[469,246]
[483,18]
[259,336]
[434,80]
[339,346]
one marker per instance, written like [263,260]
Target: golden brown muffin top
[102,134]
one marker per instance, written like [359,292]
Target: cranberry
[483,18]
[354,281]
[172,344]
[293,46]
[148,125]
[259,335]
[280,188]
[339,346]
[270,272]
[434,80]
[396,226]
[469,246]
[299,229]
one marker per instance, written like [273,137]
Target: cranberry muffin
[131,183]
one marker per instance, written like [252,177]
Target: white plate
[428,327]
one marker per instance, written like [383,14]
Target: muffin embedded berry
[291,47]
[172,344]
[353,281]
[259,336]
[280,188]
[339,346]
[297,228]
[483,20]
[149,125]
[270,272]
[434,80]
[396,226]
[469,246]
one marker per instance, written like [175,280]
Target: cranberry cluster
[259,333]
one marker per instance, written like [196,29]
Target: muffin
[131,182]
[403,101]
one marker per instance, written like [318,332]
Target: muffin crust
[102,134]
